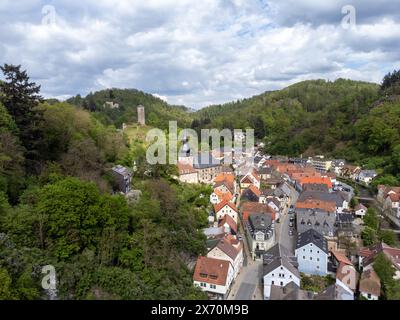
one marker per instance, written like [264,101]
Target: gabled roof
[225,246]
[289,292]
[316,180]
[123,171]
[328,206]
[334,292]
[340,257]
[314,237]
[248,208]
[185,168]
[211,270]
[360,206]
[228,220]
[260,221]
[345,273]
[370,283]
[223,196]
[219,206]
[277,256]
[369,254]
[255,190]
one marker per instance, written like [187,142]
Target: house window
[318,267]
[310,258]
[317,259]
[281,284]
[304,257]
[310,250]
[213,286]
[272,282]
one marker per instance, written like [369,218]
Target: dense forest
[57,207]
[347,119]
[158,112]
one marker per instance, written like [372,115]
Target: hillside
[158,112]
[348,119]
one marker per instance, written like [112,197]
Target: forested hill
[354,120]
[308,117]
[158,112]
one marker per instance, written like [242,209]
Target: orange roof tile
[219,206]
[329,206]
[316,180]
[211,270]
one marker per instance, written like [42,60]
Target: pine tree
[21,97]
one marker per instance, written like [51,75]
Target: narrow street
[247,285]
[282,228]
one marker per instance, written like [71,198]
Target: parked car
[291,219]
[290,232]
[240,238]
[291,224]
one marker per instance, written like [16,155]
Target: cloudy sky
[197,53]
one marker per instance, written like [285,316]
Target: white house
[279,269]
[360,210]
[249,179]
[214,276]
[226,208]
[218,196]
[229,249]
[312,253]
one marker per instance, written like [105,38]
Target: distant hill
[348,119]
[308,117]
[158,112]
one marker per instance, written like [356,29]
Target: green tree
[388,237]
[369,236]
[371,219]
[76,215]
[5,285]
[21,98]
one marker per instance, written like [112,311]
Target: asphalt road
[250,279]
[283,227]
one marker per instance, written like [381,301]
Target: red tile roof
[316,180]
[341,257]
[329,206]
[210,270]
[184,168]
[248,208]
[255,190]
[219,206]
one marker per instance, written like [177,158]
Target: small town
[291,229]
[214,158]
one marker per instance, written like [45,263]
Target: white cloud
[197,53]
